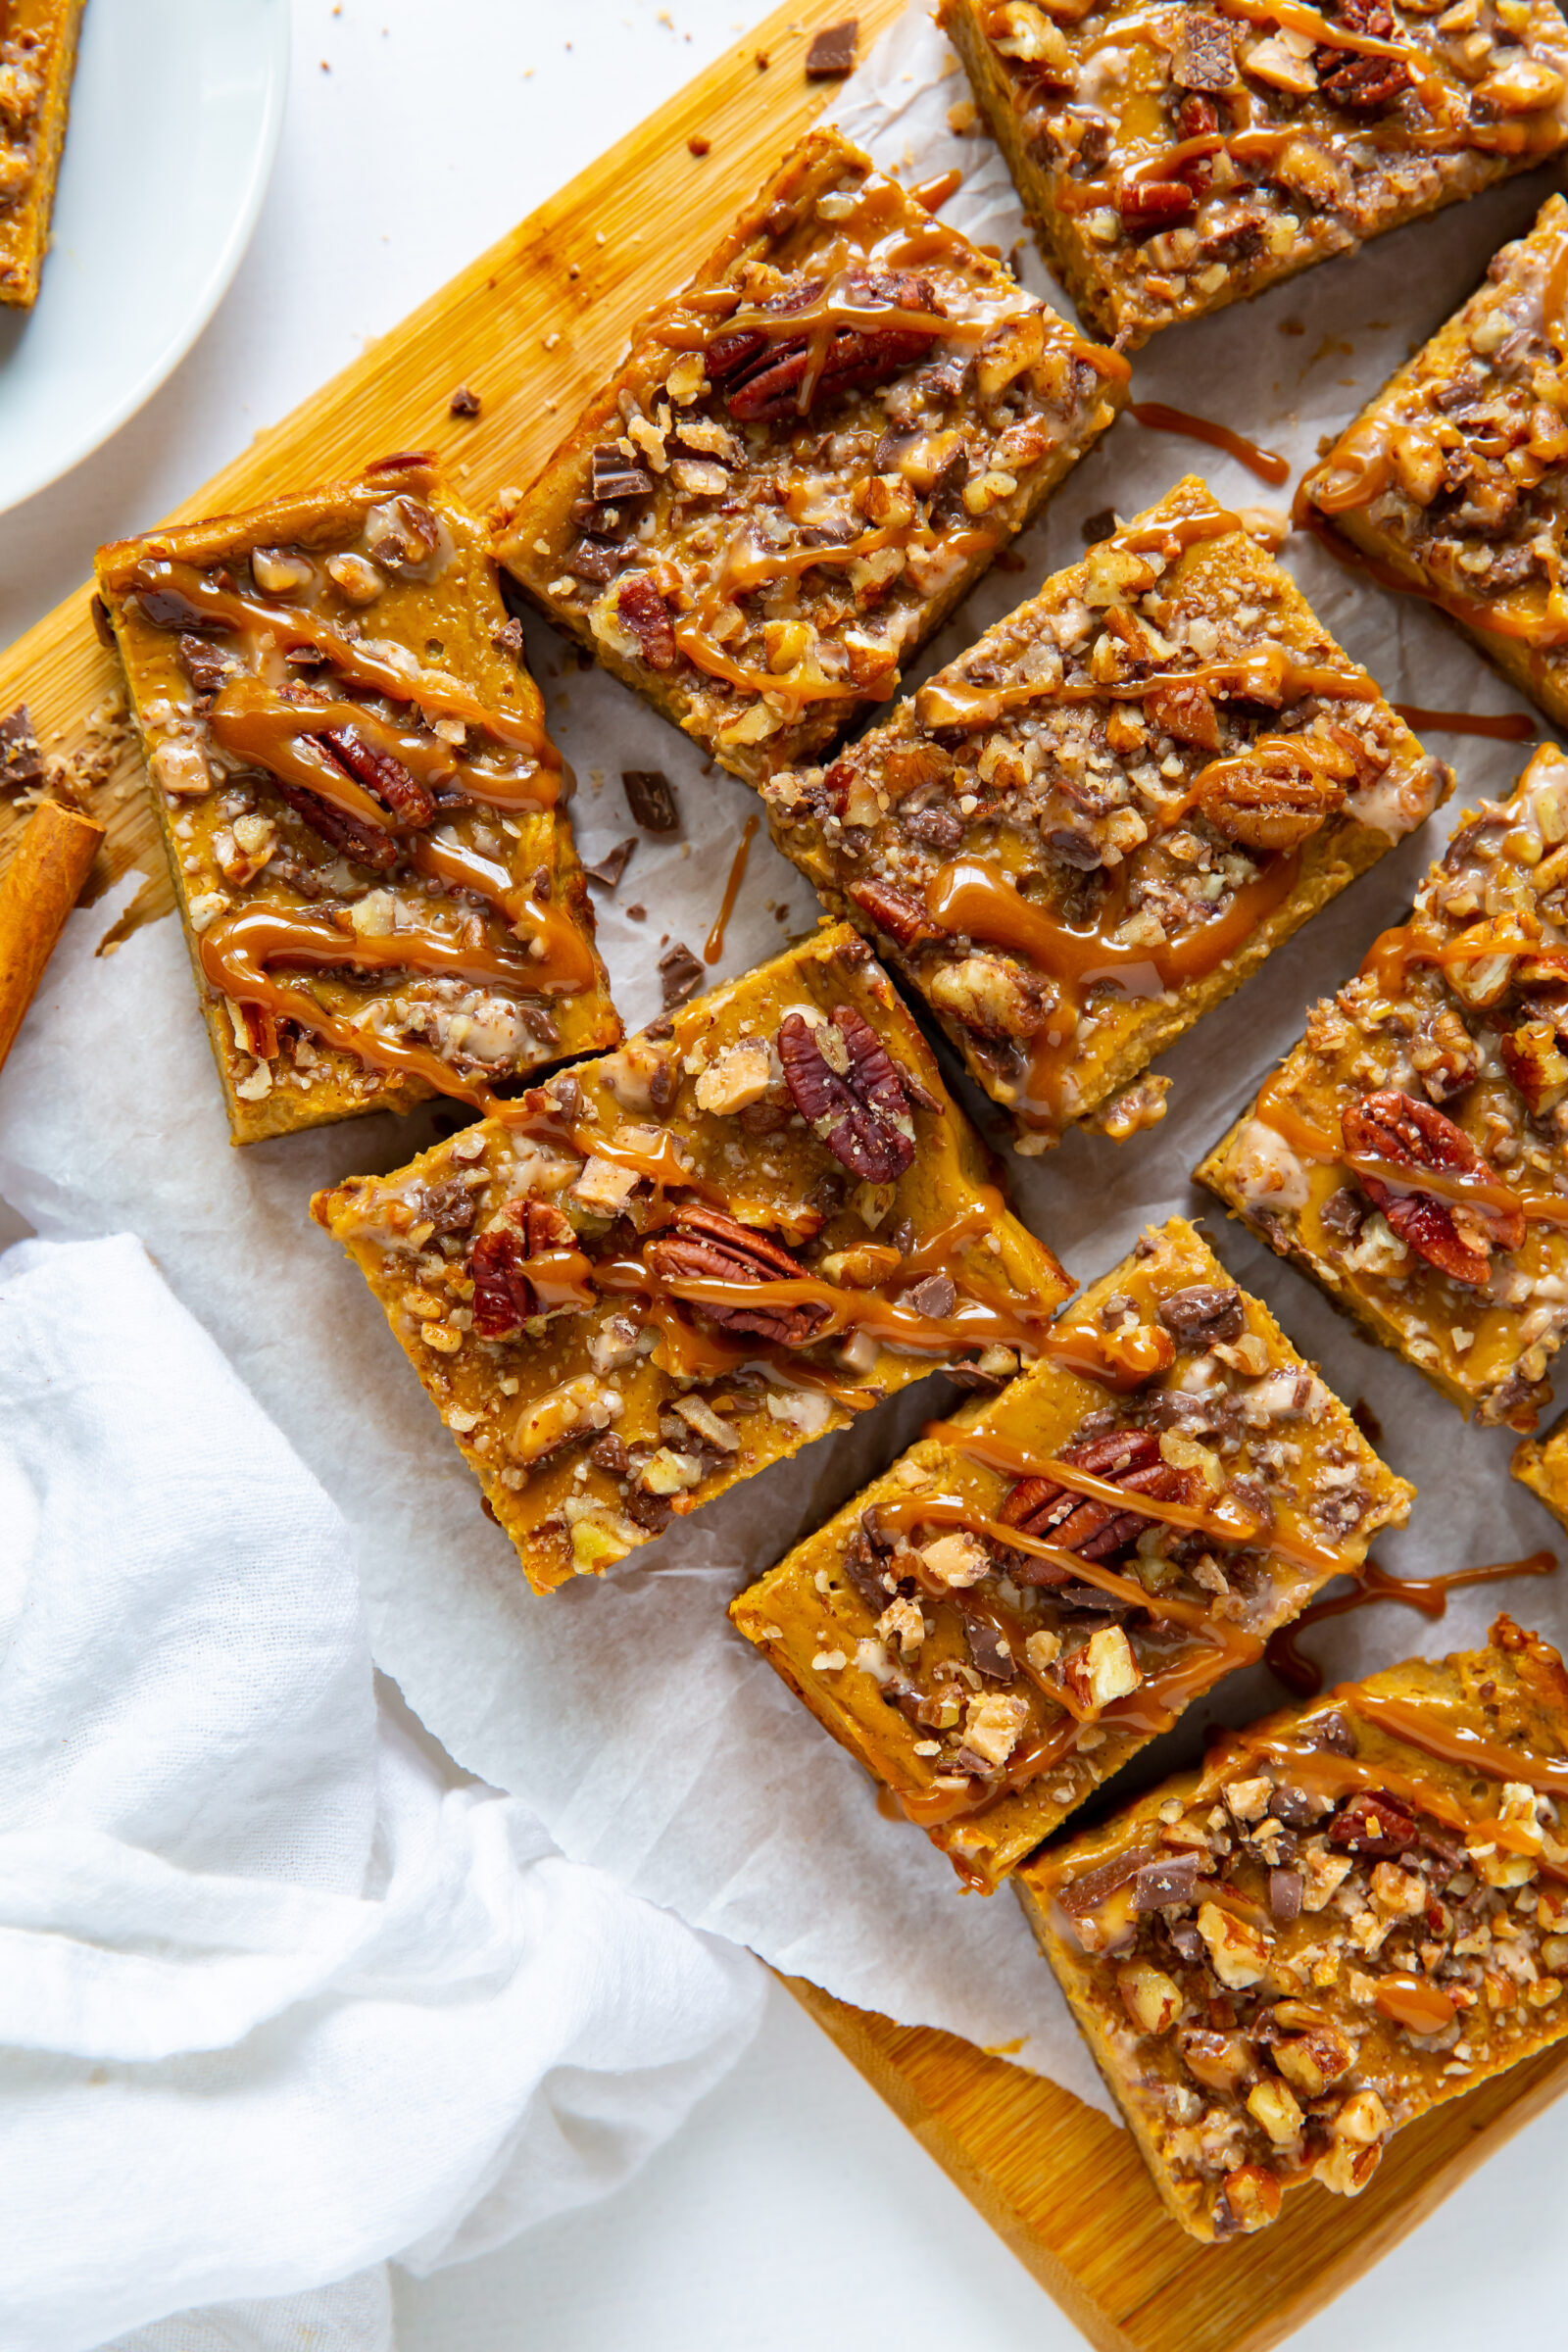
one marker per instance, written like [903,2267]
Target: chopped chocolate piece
[1203,1314]
[680,975]
[1171,1881]
[613,478]
[651,798]
[832,52]
[613,863]
[21,763]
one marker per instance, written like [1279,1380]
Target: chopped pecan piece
[1373,1824]
[1073,1522]
[1260,810]
[843,1082]
[364,843]
[1399,1132]
[21,760]
[1151,204]
[762,377]
[504,1298]
[387,778]
[702,1245]
[645,615]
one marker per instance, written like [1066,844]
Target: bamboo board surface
[1059,2185]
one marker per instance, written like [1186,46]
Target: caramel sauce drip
[713,947]
[249,720]
[1266,675]
[1428,1593]
[289,629]
[932,194]
[1509,726]
[1157,418]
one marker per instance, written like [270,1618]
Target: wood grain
[1069,2194]
[533,325]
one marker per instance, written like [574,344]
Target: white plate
[174,118]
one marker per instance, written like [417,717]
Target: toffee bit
[832,52]
[465,401]
[698,145]
[651,798]
[612,865]
[680,975]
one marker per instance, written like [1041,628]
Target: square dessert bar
[1098,821]
[1175,159]
[1541,1464]
[1042,1583]
[37,58]
[1411,1152]
[1453,483]
[1356,1911]
[363,811]
[668,1269]
[811,455]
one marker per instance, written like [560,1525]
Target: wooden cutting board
[535,325]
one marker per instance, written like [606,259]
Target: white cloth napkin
[279,1996]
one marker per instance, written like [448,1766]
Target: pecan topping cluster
[1403,1133]
[702,1245]
[504,1298]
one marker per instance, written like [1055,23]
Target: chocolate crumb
[21,758]
[698,145]
[465,401]
[613,863]
[832,52]
[680,975]
[662,1027]
[1100,525]
[637,913]
[651,798]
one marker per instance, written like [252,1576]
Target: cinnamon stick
[38,892]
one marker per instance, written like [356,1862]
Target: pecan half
[846,1087]
[645,615]
[702,1245]
[1260,810]
[364,843]
[1073,1522]
[1402,1133]
[894,913]
[1373,1823]
[1203,59]
[762,377]
[504,1298]
[380,774]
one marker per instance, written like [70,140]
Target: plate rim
[274,18]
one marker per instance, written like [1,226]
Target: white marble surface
[794,2208]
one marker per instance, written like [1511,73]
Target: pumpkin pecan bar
[1411,1152]
[363,813]
[37,58]
[1042,1583]
[1355,1912]
[1098,821]
[1453,483]
[810,456]
[1175,159]
[668,1269]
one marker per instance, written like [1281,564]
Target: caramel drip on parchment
[1157,417]
[1511,726]
[1428,1593]
[251,720]
[713,947]
[291,629]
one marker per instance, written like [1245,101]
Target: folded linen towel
[281,1995]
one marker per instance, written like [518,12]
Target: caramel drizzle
[251,720]
[437,695]
[977,1323]
[1269,673]
[968,898]
[1157,417]
[236,953]
[1428,1593]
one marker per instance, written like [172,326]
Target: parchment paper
[649,1736]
